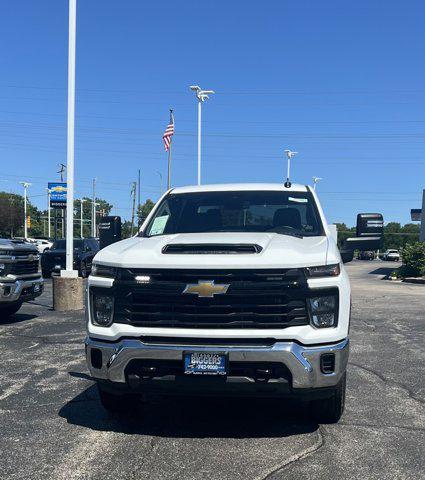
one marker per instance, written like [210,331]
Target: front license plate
[36,288]
[205,363]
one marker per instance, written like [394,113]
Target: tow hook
[262,375]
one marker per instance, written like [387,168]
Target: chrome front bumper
[12,291]
[302,361]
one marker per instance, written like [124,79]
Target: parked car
[42,244]
[366,255]
[54,260]
[20,276]
[391,255]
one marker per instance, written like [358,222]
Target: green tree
[144,210]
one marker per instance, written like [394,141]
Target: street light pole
[69,271]
[289,155]
[201,95]
[25,185]
[93,212]
[199,139]
[81,217]
[315,181]
[48,212]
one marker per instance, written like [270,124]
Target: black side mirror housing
[370,235]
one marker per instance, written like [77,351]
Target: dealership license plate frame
[220,371]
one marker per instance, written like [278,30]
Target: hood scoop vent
[211,248]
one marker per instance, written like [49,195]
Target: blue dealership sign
[57,194]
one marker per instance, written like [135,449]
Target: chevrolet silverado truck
[20,275]
[227,289]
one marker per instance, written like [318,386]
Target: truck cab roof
[237,187]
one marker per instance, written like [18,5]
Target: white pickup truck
[227,289]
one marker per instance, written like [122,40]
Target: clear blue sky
[341,82]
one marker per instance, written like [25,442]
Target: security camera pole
[25,185]
[289,155]
[315,181]
[201,95]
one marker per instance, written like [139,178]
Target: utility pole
[93,214]
[289,155]
[25,185]
[201,95]
[133,193]
[48,212]
[81,217]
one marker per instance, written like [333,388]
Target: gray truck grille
[23,268]
[254,299]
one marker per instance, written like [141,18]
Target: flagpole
[169,167]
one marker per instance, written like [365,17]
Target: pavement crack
[318,444]
[387,381]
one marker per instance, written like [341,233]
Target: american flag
[169,132]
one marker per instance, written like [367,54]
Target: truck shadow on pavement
[192,417]
[17,318]
[383,270]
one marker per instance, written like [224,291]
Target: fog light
[323,311]
[103,310]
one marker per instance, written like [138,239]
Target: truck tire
[330,410]
[46,274]
[115,403]
[9,310]
[83,270]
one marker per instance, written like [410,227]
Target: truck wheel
[9,310]
[115,403]
[46,274]
[330,410]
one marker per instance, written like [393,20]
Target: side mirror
[370,225]
[370,235]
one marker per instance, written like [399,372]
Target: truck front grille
[23,268]
[254,299]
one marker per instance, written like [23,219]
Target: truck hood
[16,246]
[278,251]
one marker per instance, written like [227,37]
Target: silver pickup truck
[20,275]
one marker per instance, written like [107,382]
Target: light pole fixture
[25,185]
[289,155]
[201,95]
[315,181]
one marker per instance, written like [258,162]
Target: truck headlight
[323,311]
[102,310]
[2,267]
[323,271]
[103,271]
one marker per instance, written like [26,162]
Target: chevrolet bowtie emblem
[206,288]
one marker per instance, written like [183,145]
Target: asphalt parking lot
[52,425]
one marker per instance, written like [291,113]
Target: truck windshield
[288,213]
[61,245]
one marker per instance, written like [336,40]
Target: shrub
[413,260]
